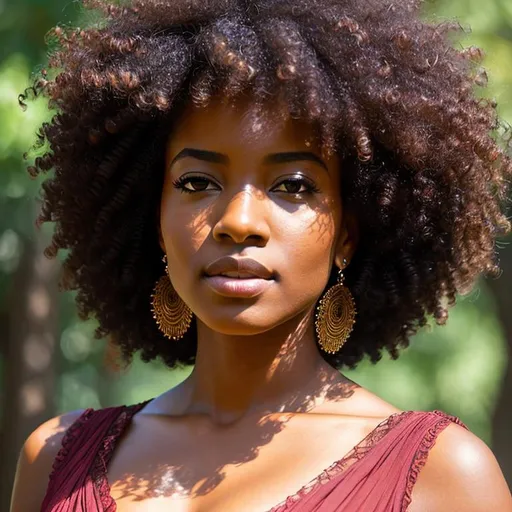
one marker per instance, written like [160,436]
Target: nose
[243,220]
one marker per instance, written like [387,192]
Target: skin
[253,354]
[262,413]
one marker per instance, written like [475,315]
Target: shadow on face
[250,182]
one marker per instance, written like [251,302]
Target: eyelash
[180,183]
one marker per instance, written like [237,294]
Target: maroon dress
[377,475]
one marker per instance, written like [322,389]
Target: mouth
[238,277]
[243,287]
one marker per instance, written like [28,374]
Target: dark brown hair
[424,160]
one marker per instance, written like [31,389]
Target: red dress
[377,475]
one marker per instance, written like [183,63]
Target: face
[255,189]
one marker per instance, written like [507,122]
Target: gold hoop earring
[172,315]
[335,317]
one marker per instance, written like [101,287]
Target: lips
[238,268]
[238,277]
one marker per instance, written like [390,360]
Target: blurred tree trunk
[29,355]
[502,421]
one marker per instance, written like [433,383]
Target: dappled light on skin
[244,208]
[257,126]
[246,443]
[226,441]
[318,218]
[402,117]
[409,382]
[288,349]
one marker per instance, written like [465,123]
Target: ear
[347,240]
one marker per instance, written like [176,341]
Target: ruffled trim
[359,451]
[421,455]
[67,440]
[98,471]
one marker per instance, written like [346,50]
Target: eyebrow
[274,158]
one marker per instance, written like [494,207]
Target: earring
[172,315]
[335,317]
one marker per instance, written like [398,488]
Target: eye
[296,185]
[193,184]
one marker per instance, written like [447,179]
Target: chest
[190,468]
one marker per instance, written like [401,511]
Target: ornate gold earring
[172,315]
[335,317]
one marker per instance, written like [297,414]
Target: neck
[276,371]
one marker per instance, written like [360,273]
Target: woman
[271,191]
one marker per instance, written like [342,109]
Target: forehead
[244,124]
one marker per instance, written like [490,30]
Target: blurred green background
[49,362]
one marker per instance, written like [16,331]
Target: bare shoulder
[35,462]
[461,473]
[362,403]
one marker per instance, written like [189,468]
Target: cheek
[315,232]
[308,245]
[183,232]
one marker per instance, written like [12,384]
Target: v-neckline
[337,468]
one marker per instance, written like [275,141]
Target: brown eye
[296,185]
[194,184]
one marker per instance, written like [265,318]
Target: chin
[243,324]
[244,320]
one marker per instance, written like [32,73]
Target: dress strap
[421,455]
[379,473]
[68,440]
[105,452]
[85,449]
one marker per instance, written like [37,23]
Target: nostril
[241,239]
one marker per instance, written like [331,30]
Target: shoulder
[461,473]
[36,460]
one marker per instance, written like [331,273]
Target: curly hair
[425,160]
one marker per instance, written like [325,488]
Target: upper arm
[462,473]
[35,463]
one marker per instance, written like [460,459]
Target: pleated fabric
[377,475]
